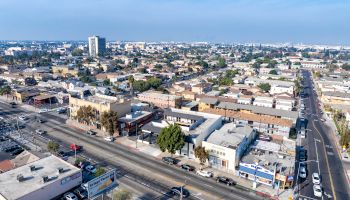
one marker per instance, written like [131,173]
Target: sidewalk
[242,183]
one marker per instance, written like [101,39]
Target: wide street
[322,154]
[144,169]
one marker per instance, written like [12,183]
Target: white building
[40,180]
[277,89]
[263,101]
[97,46]
[227,145]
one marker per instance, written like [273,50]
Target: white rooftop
[11,188]
[230,135]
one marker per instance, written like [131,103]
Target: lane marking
[329,172]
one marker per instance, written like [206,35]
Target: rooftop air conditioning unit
[60,170]
[20,178]
[32,168]
[45,179]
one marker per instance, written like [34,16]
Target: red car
[75,147]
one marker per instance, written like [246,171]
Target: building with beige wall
[64,70]
[99,103]
[160,100]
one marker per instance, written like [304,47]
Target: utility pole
[136,136]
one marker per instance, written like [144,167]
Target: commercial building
[44,179]
[160,100]
[99,104]
[132,121]
[227,145]
[97,46]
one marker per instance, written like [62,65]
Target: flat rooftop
[11,188]
[134,116]
[230,135]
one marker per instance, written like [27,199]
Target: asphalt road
[321,147]
[140,167]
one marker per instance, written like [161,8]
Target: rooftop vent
[20,178]
[32,168]
[45,179]
[60,170]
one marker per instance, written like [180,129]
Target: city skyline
[271,21]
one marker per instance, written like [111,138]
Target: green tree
[265,87]
[131,84]
[77,52]
[109,120]
[5,90]
[158,66]
[171,139]
[201,154]
[53,147]
[122,194]
[222,62]
[274,72]
[154,82]
[100,171]
[85,114]
[106,82]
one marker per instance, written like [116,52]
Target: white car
[90,169]
[302,172]
[317,190]
[70,196]
[39,131]
[22,118]
[302,134]
[205,173]
[316,179]
[109,139]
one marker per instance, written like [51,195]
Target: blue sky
[307,21]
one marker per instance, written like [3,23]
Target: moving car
[168,160]
[75,147]
[40,120]
[177,191]
[109,139]
[70,196]
[90,169]
[316,179]
[187,167]
[317,190]
[225,180]
[205,173]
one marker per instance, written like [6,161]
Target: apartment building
[99,103]
[160,100]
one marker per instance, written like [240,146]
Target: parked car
[90,169]
[177,191]
[91,132]
[39,131]
[225,180]
[188,167]
[169,160]
[70,196]
[81,193]
[17,152]
[316,179]
[109,138]
[61,110]
[12,149]
[22,118]
[302,172]
[317,190]
[205,173]
[302,155]
[40,120]
[63,155]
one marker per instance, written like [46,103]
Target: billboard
[102,184]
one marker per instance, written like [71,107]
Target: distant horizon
[215,21]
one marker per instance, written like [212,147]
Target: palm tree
[131,82]
[109,120]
